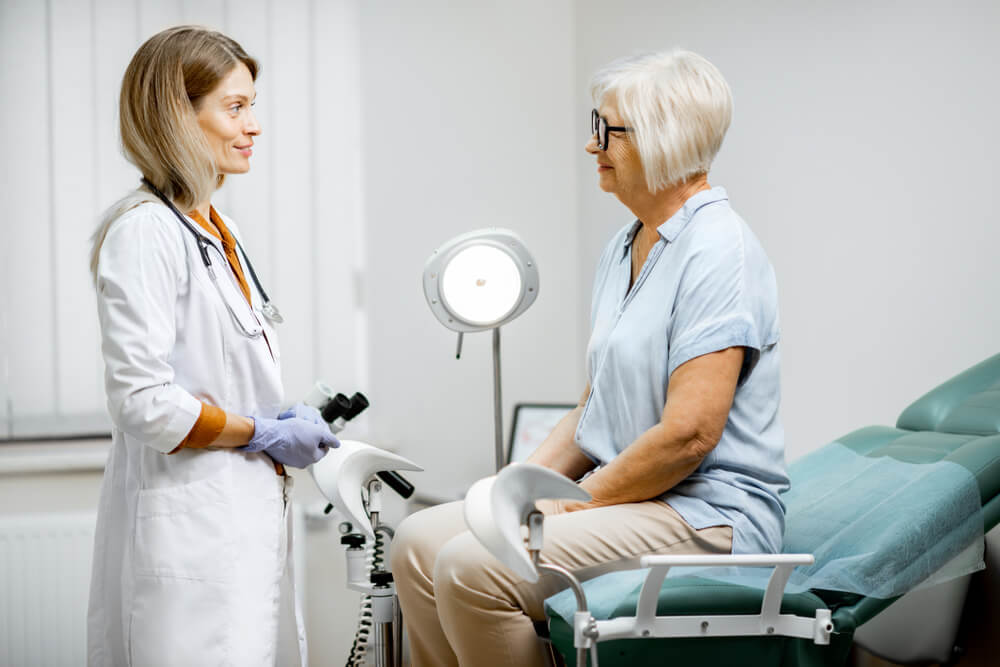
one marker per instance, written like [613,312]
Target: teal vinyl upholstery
[968,403]
[958,421]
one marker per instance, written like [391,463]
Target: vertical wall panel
[6,350]
[336,191]
[24,199]
[208,13]
[6,276]
[74,209]
[115,38]
[155,15]
[292,141]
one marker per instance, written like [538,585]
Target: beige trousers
[462,607]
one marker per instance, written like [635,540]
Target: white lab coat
[192,554]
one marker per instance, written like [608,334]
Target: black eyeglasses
[599,127]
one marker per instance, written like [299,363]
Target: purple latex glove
[303,411]
[292,441]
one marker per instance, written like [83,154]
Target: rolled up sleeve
[140,276]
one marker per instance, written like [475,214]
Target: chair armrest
[769,621]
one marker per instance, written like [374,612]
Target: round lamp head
[480,280]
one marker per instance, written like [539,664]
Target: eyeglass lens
[599,126]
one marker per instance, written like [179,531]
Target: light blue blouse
[706,285]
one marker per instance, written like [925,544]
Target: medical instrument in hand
[498,507]
[347,477]
[303,411]
[269,310]
[479,281]
[336,410]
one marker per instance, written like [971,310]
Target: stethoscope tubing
[269,310]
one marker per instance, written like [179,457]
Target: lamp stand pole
[497,404]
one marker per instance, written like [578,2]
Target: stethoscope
[269,310]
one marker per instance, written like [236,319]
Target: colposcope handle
[396,482]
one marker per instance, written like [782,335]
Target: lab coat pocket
[183,559]
[186,531]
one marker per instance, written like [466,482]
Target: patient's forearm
[699,397]
[656,462]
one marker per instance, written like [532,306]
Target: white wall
[863,154]
[468,123]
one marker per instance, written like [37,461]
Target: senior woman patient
[679,421]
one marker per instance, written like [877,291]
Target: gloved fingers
[311,445]
[309,413]
[315,436]
[292,441]
[303,411]
[320,452]
[324,443]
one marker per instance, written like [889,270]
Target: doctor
[192,558]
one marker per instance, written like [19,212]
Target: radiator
[44,579]
[44,584]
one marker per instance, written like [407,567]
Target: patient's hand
[551,507]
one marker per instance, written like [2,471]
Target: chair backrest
[968,403]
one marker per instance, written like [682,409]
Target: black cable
[359,648]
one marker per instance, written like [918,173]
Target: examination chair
[959,421]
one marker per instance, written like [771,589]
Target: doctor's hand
[303,411]
[292,441]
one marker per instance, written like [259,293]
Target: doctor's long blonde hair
[157,115]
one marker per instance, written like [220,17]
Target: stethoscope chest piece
[272,313]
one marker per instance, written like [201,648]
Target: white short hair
[678,106]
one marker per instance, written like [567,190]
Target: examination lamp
[479,281]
